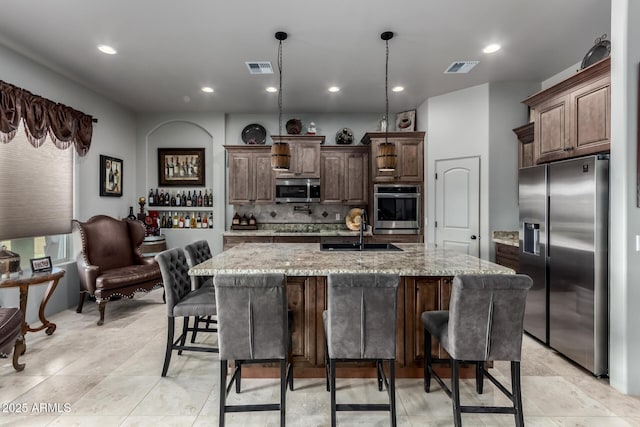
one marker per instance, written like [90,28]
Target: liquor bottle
[163,220]
[189,204]
[200,199]
[204,224]
[173,199]
[205,200]
[194,199]
[210,220]
[176,220]
[150,199]
[199,221]
[131,215]
[211,198]
[187,221]
[156,198]
[194,222]
[179,200]
[184,198]
[181,221]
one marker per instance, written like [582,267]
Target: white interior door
[457,225]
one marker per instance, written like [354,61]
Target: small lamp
[280,151]
[386,158]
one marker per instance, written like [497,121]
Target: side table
[26,279]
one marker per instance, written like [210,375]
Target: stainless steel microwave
[396,209]
[297,190]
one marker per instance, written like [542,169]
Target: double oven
[396,209]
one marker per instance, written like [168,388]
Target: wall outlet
[337,217]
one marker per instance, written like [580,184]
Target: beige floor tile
[14,384]
[592,422]
[87,420]
[183,396]
[25,420]
[158,421]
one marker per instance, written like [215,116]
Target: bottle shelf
[180,208]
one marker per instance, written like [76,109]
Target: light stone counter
[506,238]
[321,233]
[306,259]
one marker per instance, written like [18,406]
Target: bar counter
[425,285]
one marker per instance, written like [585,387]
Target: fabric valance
[41,118]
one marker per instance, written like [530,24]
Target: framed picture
[110,176]
[181,166]
[406,121]
[39,265]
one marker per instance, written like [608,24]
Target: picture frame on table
[111,171]
[406,121]
[41,265]
[183,167]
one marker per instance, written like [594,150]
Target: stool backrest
[252,316]
[486,315]
[198,252]
[175,276]
[362,312]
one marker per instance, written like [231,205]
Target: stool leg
[167,354]
[379,372]
[239,377]
[196,325]
[392,391]
[326,364]
[479,377]
[455,392]
[332,375]
[223,391]
[427,361]
[283,391]
[516,389]
[183,338]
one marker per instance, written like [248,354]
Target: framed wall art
[110,176]
[181,166]
[406,121]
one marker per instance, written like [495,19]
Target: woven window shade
[36,189]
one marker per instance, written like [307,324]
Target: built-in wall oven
[396,209]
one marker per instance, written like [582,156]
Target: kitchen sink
[356,247]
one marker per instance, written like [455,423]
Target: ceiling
[168,50]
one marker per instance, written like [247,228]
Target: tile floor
[110,376]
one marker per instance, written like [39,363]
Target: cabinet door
[410,161]
[526,155]
[332,177]
[356,179]
[240,178]
[422,294]
[590,118]
[308,159]
[263,182]
[301,298]
[551,136]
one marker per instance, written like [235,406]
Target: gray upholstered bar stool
[360,325]
[182,301]
[253,327]
[198,252]
[484,322]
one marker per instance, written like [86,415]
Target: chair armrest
[146,260]
[88,274]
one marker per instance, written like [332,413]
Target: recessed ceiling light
[207,89]
[491,48]
[106,49]
[398,89]
[271,89]
[334,89]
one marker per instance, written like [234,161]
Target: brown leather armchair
[110,263]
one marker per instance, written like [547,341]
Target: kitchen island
[425,284]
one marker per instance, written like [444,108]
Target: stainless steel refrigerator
[564,217]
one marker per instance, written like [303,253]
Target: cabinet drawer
[508,251]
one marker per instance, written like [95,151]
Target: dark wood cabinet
[410,151]
[344,173]
[525,145]
[302,300]
[573,117]
[397,238]
[251,179]
[305,155]
[508,255]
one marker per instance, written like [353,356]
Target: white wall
[624,260]
[113,135]
[562,75]
[458,126]
[185,130]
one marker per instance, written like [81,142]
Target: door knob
[473,237]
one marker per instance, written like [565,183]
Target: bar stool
[360,325]
[196,253]
[183,302]
[253,327]
[484,322]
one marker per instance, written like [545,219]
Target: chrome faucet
[363,226]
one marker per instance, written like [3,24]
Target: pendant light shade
[280,151]
[387,158]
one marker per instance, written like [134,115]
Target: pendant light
[280,151]
[386,158]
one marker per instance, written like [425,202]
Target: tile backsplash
[297,213]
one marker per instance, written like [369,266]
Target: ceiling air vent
[461,67]
[259,67]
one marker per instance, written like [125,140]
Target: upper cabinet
[573,117]
[344,172]
[525,145]
[410,151]
[305,155]
[250,175]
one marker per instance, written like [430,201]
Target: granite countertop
[319,233]
[510,238]
[306,259]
